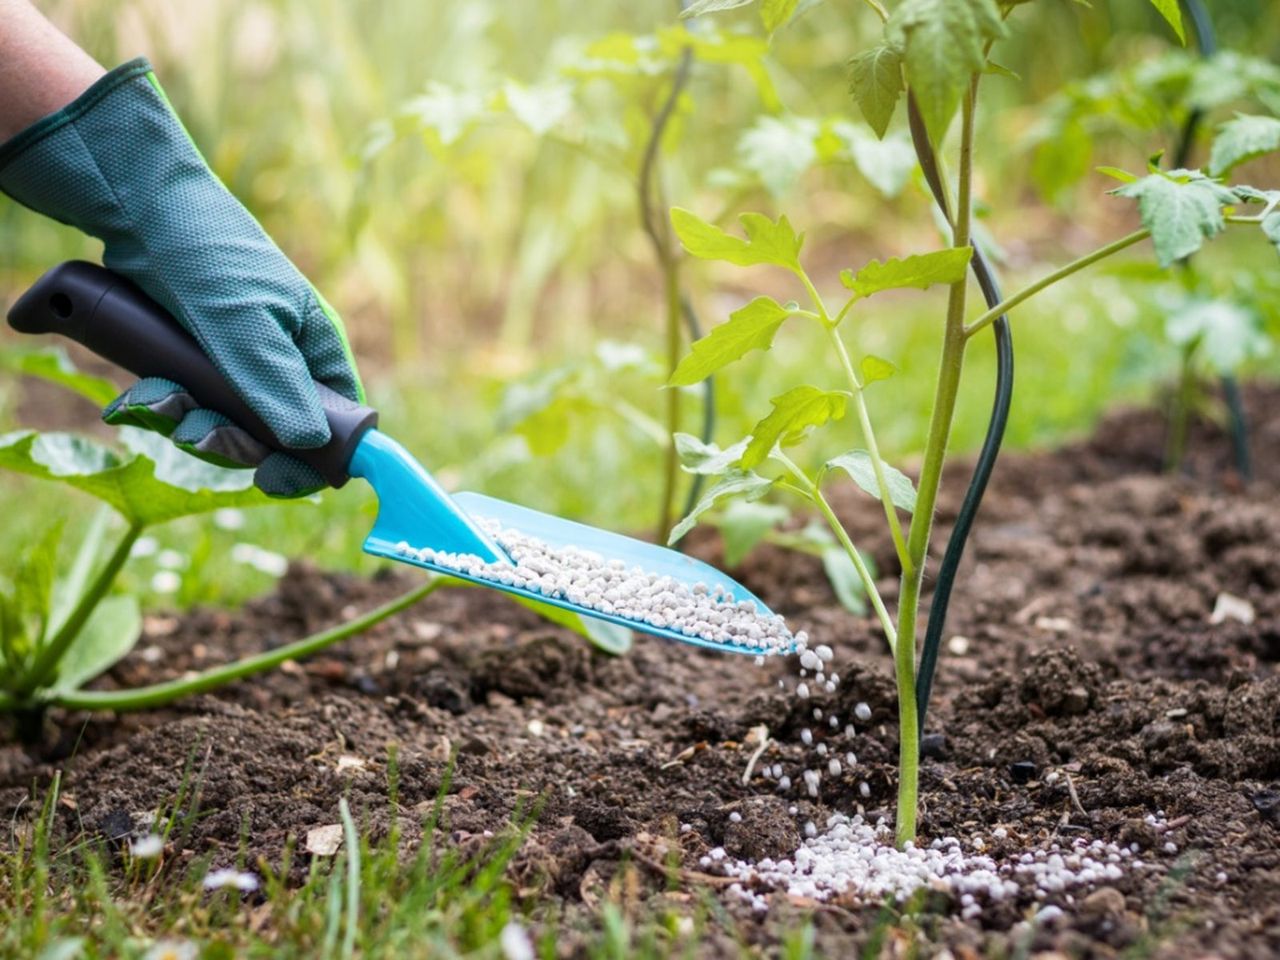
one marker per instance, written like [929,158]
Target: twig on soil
[1075,797]
[761,733]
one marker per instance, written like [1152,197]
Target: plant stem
[158,694]
[877,464]
[1074,266]
[944,406]
[50,654]
[671,460]
[814,492]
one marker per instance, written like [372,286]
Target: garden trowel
[117,321]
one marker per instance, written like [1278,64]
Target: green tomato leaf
[1172,13]
[1242,139]
[795,414]
[54,365]
[737,483]
[1181,209]
[540,108]
[743,524]
[885,163]
[920,271]
[844,580]
[699,7]
[876,368]
[445,112]
[768,241]
[110,632]
[875,80]
[944,44]
[750,328]
[775,13]
[857,463]
[1115,173]
[707,458]
[152,483]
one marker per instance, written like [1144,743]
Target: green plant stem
[161,693]
[1026,293]
[877,464]
[878,7]
[812,491]
[944,406]
[671,460]
[50,654]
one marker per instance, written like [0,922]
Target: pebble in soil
[587,579]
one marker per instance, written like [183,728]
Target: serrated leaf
[53,364]
[919,270]
[768,241]
[706,458]
[944,44]
[1271,228]
[779,150]
[795,413]
[744,524]
[1172,13]
[111,631]
[1181,209]
[1242,139]
[876,368]
[738,483]
[152,483]
[875,80]
[775,13]
[752,327]
[857,463]
[699,7]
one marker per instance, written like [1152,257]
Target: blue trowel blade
[414,509]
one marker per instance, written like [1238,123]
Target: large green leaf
[1172,12]
[707,458]
[110,632]
[920,271]
[53,364]
[857,463]
[609,637]
[767,241]
[699,7]
[68,590]
[152,483]
[885,163]
[736,483]
[795,413]
[1181,208]
[750,328]
[944,44]
[1242,139]
[875,80]
[776,13]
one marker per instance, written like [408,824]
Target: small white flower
[172,950]
[515,942]
[166,581]
[148,847]
[218,879]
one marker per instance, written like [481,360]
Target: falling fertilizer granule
[587,579]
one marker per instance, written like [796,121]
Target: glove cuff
[77,108]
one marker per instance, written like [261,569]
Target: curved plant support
[990,445]
[1207,43]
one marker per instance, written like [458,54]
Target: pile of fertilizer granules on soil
[587,579]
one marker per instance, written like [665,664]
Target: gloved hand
[118,164]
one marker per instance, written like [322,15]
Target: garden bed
[1086,692]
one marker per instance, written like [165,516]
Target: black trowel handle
[120,323]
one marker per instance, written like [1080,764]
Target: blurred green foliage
[460,180]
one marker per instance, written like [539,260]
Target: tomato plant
[933,54]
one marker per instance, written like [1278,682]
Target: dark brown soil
[1092,690]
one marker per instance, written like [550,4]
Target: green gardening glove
[118,164]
